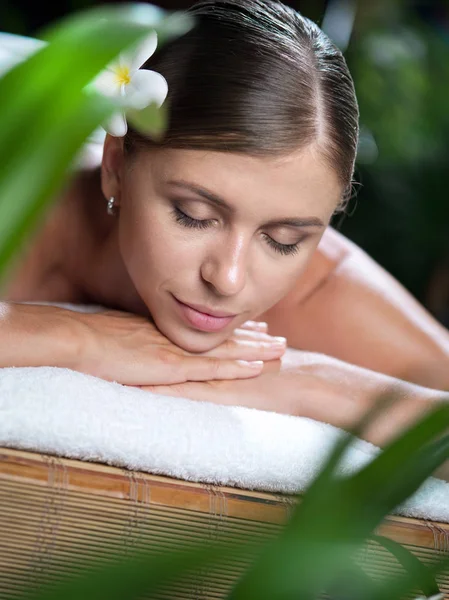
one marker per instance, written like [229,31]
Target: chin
[193,341]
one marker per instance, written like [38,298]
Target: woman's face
[212,239]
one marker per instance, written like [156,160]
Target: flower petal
[16,48]
[116,125]
[145,87]
[106,83]
[96,137]
[135,57]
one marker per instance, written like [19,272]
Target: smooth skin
[262,251]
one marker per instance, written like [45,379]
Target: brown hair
[257,77]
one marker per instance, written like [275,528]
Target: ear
[112,167]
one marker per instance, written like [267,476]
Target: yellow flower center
[122,75]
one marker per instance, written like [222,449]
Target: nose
[225,266]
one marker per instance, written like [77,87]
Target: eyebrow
[214,199]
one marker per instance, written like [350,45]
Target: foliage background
[398,53]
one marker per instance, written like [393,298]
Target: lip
[203,318]
[207,311]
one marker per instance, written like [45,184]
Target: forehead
[298,182]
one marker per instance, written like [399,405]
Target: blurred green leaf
[47,114]
[396,587]
[143,571]
[150,121]
[318,549]
[338,514]
[411,564]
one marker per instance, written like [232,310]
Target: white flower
[134,88]
[122,79]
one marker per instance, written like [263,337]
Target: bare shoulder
[40,271]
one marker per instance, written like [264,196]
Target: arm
[122,347]
[319,387]
[34,336]
[347,306]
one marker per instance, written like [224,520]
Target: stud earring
[111,208]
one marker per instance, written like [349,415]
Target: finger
[205,368]
[250,350]
[251,334]
[255,325]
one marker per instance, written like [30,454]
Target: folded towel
[70,414]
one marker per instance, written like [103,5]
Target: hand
[129,349]
[320,387]
[294,385]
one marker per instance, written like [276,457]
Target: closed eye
[187,221]
[190,221]
[284,249]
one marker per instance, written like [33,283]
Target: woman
[224,222]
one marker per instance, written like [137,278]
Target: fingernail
[254,364]
[279,341]
[262,325]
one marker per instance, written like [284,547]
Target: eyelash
[186,221]
[189,222]
[285,249]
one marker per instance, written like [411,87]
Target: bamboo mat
[61,516]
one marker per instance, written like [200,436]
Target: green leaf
[151,121]
[352,583]
[47,114]
[319,489]
[402,467]
[338,513]
[397,586]
[145,571]
[419,574]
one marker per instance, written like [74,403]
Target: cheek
[274,282]
[152,247]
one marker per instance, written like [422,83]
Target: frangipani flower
[135,88]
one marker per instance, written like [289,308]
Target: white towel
[70,414]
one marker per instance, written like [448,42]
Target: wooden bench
[58,516]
